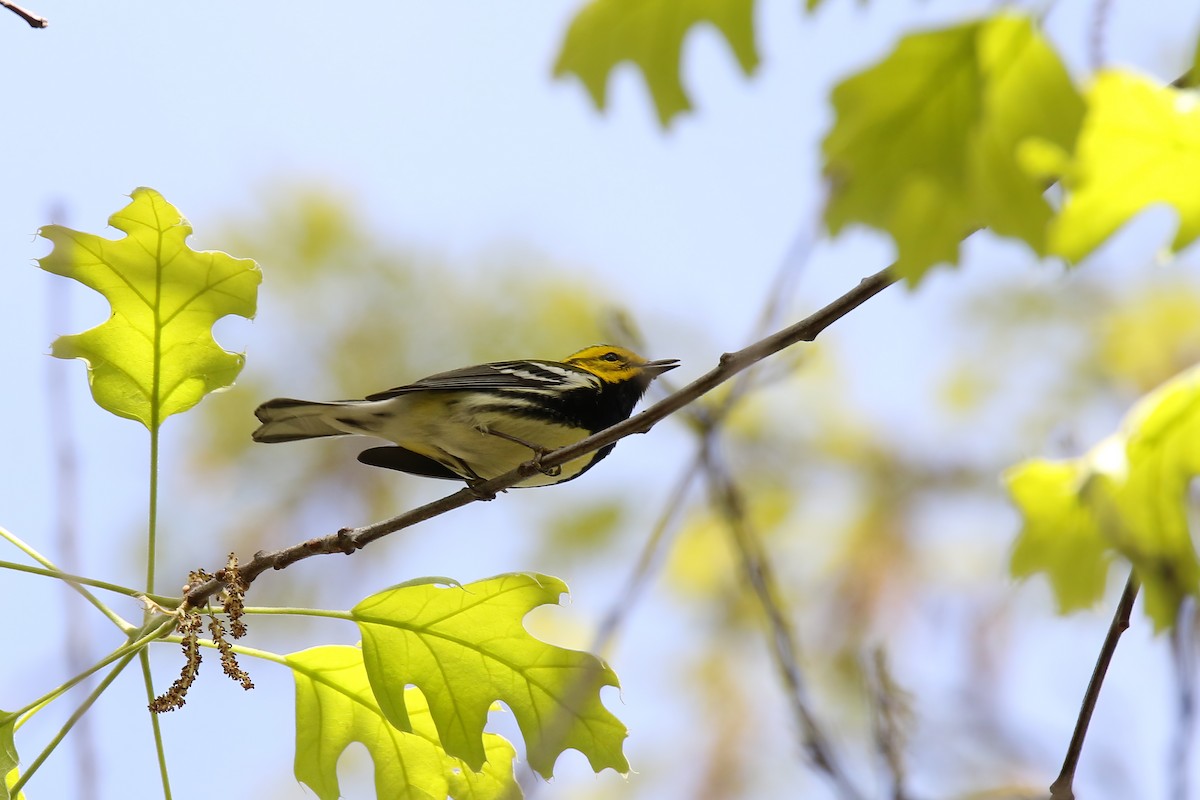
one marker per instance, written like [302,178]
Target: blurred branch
[1063,787]
[648,559]
[756,566]
[1101,10]
[890,713]
[76,634]
[1183,651]
[33,19]
[348,540]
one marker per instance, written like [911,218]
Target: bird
[478,422]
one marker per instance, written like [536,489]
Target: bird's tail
[287,420]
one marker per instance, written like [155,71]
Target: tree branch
[33,19]
[348,540]
[890,715]
[785,649]
[1063,787]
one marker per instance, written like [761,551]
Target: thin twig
[785,650]
[1183,652]
[1099,26]
[348,540]
[650,556]
[33,19]
[1063,787]
[890,715]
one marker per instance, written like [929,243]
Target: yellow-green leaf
[8,756]
[155,356]
[1060,536]
[465,647]
[335,706]
[1128,495]
[1192,78]
[813,5]
[650,34]
[928,144]
[1140,145]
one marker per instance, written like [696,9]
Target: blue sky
[444,124]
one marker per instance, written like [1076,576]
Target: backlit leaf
[8,757]
[650,34]
[1060,536]
[335,706]
[1140,145]
[930,143]
[465,647]
[1128,495]
[155,356]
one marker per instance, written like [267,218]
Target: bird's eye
[610,357]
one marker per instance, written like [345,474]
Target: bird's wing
[531,375]
[404,460]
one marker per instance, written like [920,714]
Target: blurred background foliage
[868,463]
[884,539]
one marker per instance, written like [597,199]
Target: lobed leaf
[650,34]
[931,143]
[8,756]
[1128,495]
[1060,536]
[1139,145]
[155,356]
[465,647]
[335,706]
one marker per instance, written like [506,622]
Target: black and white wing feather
[501,376]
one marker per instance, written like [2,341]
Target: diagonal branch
[33,19]
[1063,787]
[348,540]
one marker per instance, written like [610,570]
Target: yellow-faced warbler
[478,422]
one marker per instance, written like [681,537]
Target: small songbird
[478,422]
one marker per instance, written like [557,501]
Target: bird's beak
[657,368]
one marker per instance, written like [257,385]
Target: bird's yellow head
[618,365]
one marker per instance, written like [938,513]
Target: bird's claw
[476,487]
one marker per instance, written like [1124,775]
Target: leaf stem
[300,612]
[69,577]
[1063,786]
[241,650]
[73,581]
[152,522]
[15,789]
[148,634]
[159,749]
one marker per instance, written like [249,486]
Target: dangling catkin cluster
[233,604]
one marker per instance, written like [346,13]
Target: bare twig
[33,19]
[890,715]
[348,540]
[756,566]
[649,558]
[1063,786]
[1100,14]
[1183,651]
